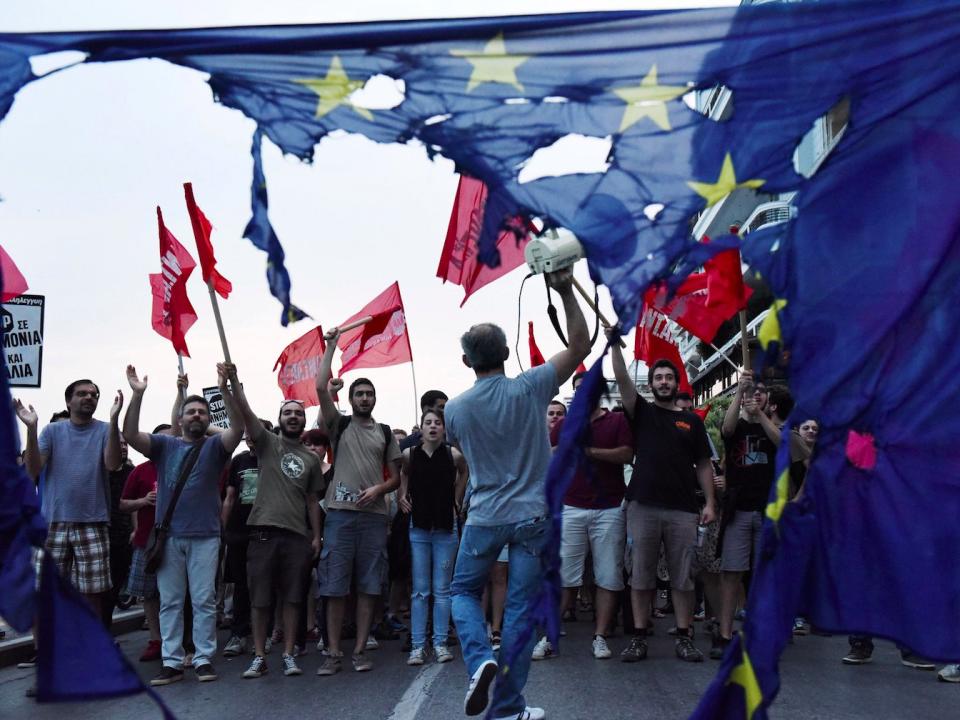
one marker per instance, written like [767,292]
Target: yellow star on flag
[725,184]
[493,64]
[334,90]
[744,676]
[648,99]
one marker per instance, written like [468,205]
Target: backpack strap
[387,437]
[342,424]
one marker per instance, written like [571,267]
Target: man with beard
[355,530]
[76,457]
[191,551]
[280,549]
[672,458]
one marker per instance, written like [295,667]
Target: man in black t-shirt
[672,460]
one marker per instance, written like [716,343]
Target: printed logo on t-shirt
[682,425]
[292,465]
[343,495]
[248,485]
[749,452]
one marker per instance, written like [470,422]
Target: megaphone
[552,251]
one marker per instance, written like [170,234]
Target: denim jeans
[434,552]
[479,548]
[189,563]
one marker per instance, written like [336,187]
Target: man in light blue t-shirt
[498,425]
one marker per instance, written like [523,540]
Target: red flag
[654,341]
[703,412]
[458,261]
[382,341]
[726,292]
[14,283]
[201,232]
[536,357]
[299,363]
[173,314]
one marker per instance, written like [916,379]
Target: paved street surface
[572,686]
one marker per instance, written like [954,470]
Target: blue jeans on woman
[479,548]
[433,552]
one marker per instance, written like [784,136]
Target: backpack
[342,426]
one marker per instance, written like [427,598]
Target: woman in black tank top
[432,480]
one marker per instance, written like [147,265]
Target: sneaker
[800,627]
[529,713]
[860,654]
[949,673]
[372,644]
[915,661]
[206,673]
[151,652]
[258,668]
[290,666]
[636,650]
[718,646]
[700,615]
[686,650]
[321,646]
[188,660]
[361,663]
[495,641]
[236,645]
[478,692]
[601,651]
[442,654]
[417,656]
[166,676]
[312,634]
[299,650]
[27,664]
[331,666]
[542,649]
[277,636]
[395,624]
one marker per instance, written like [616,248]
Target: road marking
[416,694]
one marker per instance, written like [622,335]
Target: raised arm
[33,461]
[139,441]
[730,418]
[566,361]
[112,457]
[328,410]
[628,389]
[251,422]
[176,416]
[231,436]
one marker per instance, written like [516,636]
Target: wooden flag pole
[593,306]
[744,340]
[216,316]
[416,397]
[183,391]
[722,354]
[355,324]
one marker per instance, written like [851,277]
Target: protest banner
[22,323]
[218,410]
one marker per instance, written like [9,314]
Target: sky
[88,153]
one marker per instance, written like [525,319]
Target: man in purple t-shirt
[593,516]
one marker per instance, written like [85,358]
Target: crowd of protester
[349,533]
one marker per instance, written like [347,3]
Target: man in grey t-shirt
[498,425]
[75,457]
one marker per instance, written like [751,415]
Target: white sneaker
[542,649]
[478,692]
[417,656]
[372,643]
[290,666]
[320,646]
[529,713]
[601,651]
[236,645]
[442,653]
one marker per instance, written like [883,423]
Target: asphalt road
[572,686]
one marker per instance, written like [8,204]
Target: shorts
[278,560]
[82,554]
[354,549]
[741,540]
[603,534]
[140,583]
[647,526]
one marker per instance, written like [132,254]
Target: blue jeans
[479,548]
[189,563]
[434,552]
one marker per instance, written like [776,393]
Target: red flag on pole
[201,232]
[14,284]
[536,357]
[173,314]
[654,341]
[458,261]
[726,292]
[702,412]
[382,341]
[299,363]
